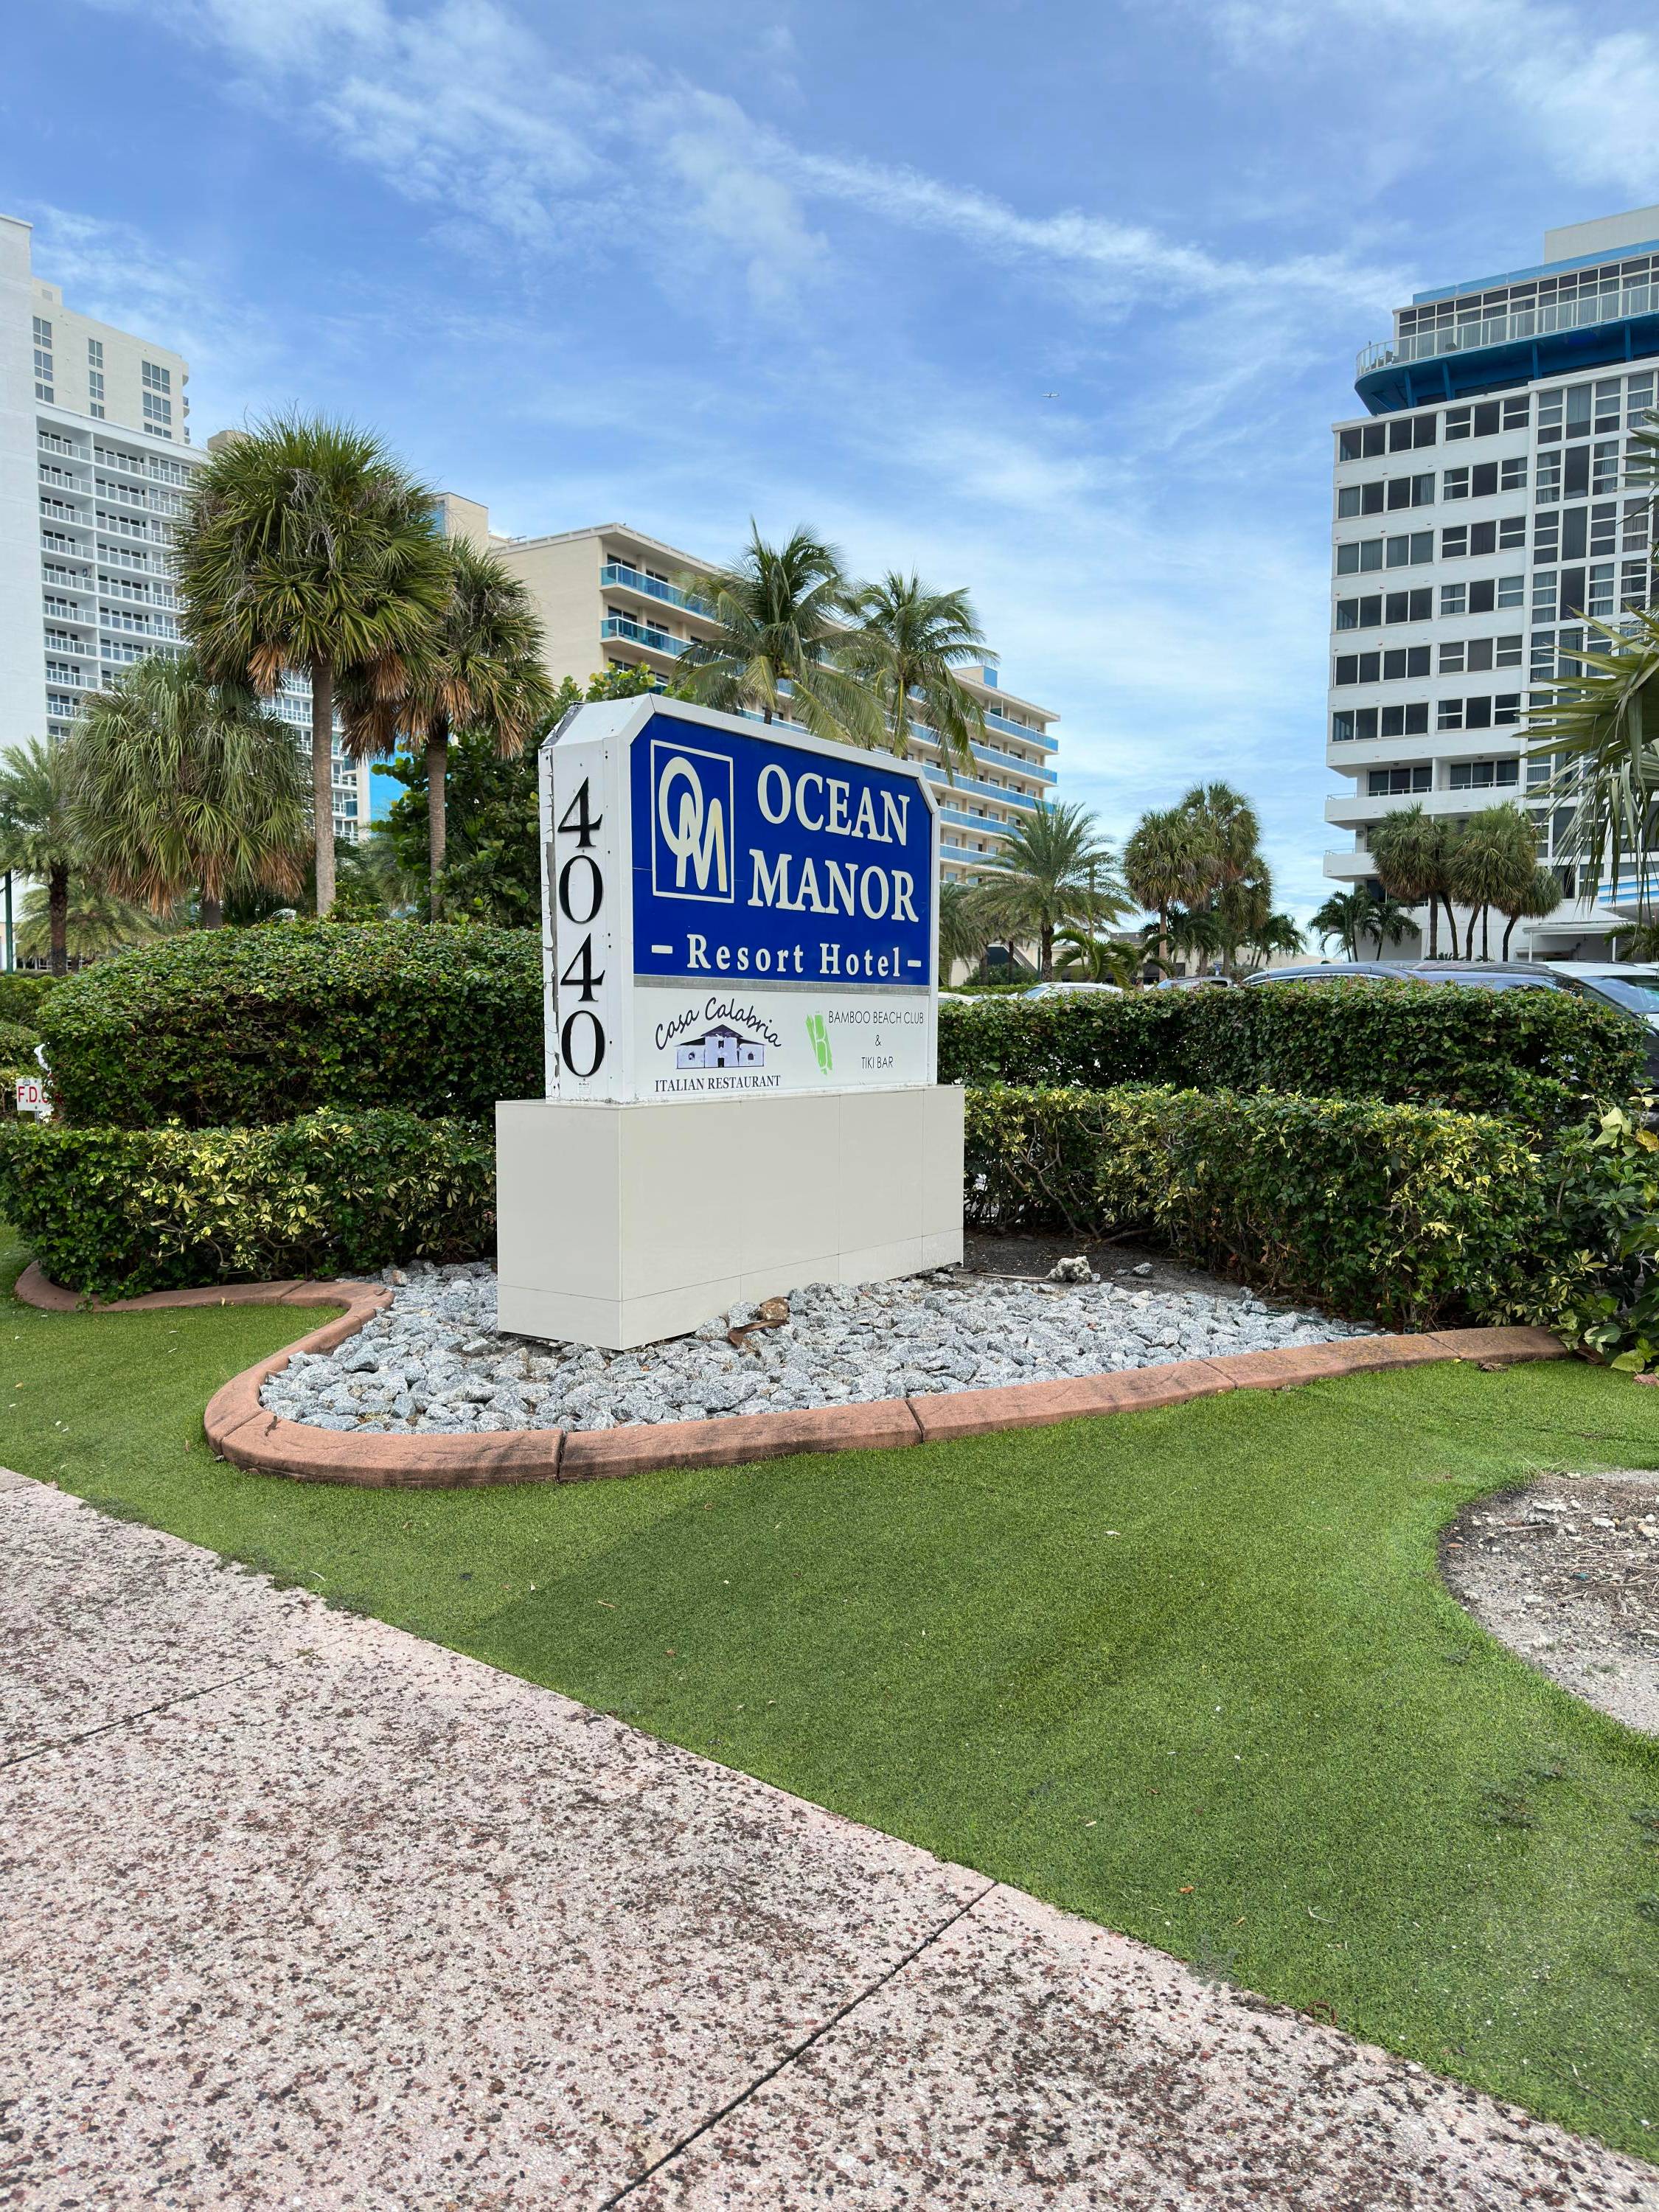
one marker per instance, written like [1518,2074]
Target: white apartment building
[610,594]
[95,458]
[1481,515]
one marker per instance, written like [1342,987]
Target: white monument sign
[740,949]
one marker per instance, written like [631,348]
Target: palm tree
[1492,860]
[481,670]
[306,547]
[37,835]
[780,612]
[1163,865]
[1226,831]
[1278,934]
[1055,868]
[1196,933]
[1412,852]
[175,782]
[1533,902]
[964,931]
[1602,728]
[908,646]
[1095,959]
[1386,920]
[1344,916]
[96,922]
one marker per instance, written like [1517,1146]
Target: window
[95,392]
[1455,483]
[1477,538]
[94,353]
[42,331]
[155,378]
[1605,462]
[1487,418]
[1451,656]
[156,410]
[1600,590]
[1511,591]
[1400,433]
[1406,722]
[1483,775]
[1408,606]
[1354,724]
[1358,614]
[1635,532]
[1547,483]
[1395,782]
[1449,715]
[1638,400]
[1454,599]
[1603,528]
[1384,494]
[1512,474]
[1361,443]
[1633,580]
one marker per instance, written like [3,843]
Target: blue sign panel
[754,857]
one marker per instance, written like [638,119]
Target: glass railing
[618,572]
[1019,730]
[642,634]
[1509,329]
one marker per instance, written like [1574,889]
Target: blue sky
[1055,300]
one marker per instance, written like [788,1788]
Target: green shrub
[1535,1055]
[21,995]
[17,1044]
[1411,1215]
[227,1027]
[119,1211]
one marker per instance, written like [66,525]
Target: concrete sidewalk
[301,1912]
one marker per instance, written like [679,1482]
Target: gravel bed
[1566,1573]
[433,1361]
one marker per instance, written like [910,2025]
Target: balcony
[1038,737]
[1556,339]
[617,573]
[1510,330]
[655,640]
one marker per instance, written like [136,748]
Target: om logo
[691,851]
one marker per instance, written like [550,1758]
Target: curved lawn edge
[238,1429]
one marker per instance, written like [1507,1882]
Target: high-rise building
[95,458]
[1481,515]
[610,595]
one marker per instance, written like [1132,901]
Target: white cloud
[1588,100]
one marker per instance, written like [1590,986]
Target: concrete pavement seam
[125,1720]
[799,2050]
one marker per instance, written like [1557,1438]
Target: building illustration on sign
[720,1047]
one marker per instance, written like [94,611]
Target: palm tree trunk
[1509,934]
[212,911]
[1046,952]
[322,780]
[1164,940]
[58,915]
[1434,928]
[1486,940]
[1468,942]
[437,815]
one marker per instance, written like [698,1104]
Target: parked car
[1631,990]
[1331,971]
[1192,983]
[1060,989]
[1485,976]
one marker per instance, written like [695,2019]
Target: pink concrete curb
[240,1429]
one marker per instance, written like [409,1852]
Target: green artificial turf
[1191,1672]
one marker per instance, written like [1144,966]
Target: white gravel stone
[433,1360]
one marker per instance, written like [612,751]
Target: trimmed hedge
[231,1027]
[21,995]
[1410,1215]
[115,1212]
[1535,1055]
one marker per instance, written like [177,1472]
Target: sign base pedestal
[619,1223]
